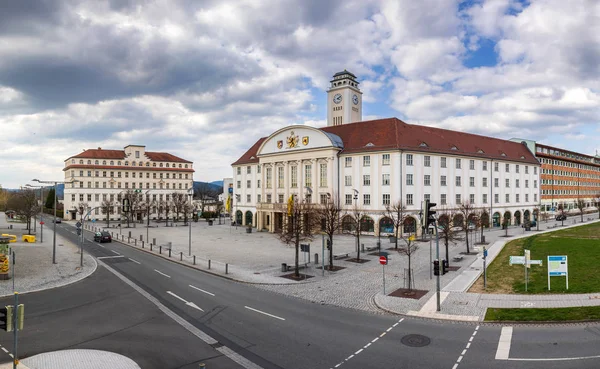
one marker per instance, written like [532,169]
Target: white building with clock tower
[344,100]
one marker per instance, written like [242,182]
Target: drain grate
[415,340]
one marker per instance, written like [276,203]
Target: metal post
[430,260]
[54,233]
[82,241]
[15,330]
[323,257]
[484,271]
[440,267]
[383,266]
[208,262]
[194,259]
[226,268]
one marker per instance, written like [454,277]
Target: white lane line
[464,352]
[503,350]
[262,312]
[376,338]
[100,245]
[349,357]
[110,257]
[383,334]
[115,252]
[135,261]
[5,350]
[201,290]
[389,329]
[557,358]
[242,361]
[177,297]
[159,272]
[358,352]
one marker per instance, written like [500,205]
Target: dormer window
[147,163]
[112,162]
[160,165]
[480,151]
[502,154]
[423,144]
[180,165]
[153,164]
[522,157]
[454,148]
[127,163]
[370,144]
[119,162]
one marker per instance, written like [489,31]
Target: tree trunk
[358,246]
[396,240]
[296,266]
[447,252]
[467,237]
[331,253]
[409,273]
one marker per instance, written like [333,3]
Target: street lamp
[42,212]
[54,220]
[191,195]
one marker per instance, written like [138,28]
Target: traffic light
[6,318]
[328,244]
[125,205]
[429,213]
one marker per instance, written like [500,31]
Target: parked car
[103,236]
[561,217]
[57,220]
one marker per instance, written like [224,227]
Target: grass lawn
[581,245]
[543,315]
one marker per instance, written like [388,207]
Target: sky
[204,80]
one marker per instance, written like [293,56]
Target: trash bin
[482,239]
[249,230]
[283,267]
[445,266]
[210,222]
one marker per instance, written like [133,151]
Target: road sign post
[383,260]
[484,270]
[526,261]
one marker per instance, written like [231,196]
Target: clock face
[355,99]
[337,98]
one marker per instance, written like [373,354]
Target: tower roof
[344,72]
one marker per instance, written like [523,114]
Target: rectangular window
[526,182]
[366,161]
[496,199]
[535,197]
[427,197]
[409,179]
[348,199]
[472,198]
[409,199]
[507,168]
[89,185]
[385,179]
[323,198]
[137,154]
[307,175]
[104,173]
[471,181]
[257,184]
[427,161]
[248,170]
[81,173]
[248,184]
[80,197]
[495,167]
[472,164]
[458,181]
[239,184]
[427,180]
[443,162]
[443,180]
[517,169]
[507,198]
[366,180]
[484,199]
[534,170]
[386,199]
[516,183]
[348,162]
[248,198]
[280,198]
[458,164]
[484,165]
[294,175]
[280,177]
[103,184]
[458,199]
[269,198]
[323,175]
[535,183]
[409,159]
[366,199]
[526,197]
[89,173]
[484,182]
[239,171]
[348,181]
[258,169]
[269,177]
[496,182]
[443,199]
[258,198]
[507,183]
[385,159]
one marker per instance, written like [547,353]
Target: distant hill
[198,185]
[218,183]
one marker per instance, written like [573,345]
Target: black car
[102,237]
[57,220]
[561,217]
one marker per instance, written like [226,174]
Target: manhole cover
[415,340]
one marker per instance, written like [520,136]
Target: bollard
[169,252]
[226,268]
[160,249]
[135,242]
[141,238]
[181,256]
[154,241]
[129,235]
[194,259]
[150,247]
[362,247]
[208,263]
[142,244]
[316,258]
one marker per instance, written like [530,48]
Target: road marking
[503,350]
[558,358]
[115,252]
[239,359]
[464,352]
[5,350]
[110,257]
[177,297]
[262,312]
[369,344]
[100,245]
[159,272]
[201,290]
[135,261]
[188,303]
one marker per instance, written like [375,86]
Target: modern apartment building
[372,164]
[105,175]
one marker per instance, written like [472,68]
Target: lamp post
[42,212]
[357,220]
[191,195]
[54,220]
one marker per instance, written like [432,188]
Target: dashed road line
[110,257]
[159,272]
[464,352]
[115,252]
[262,312]
[135,261]
[368,344]
[201,290]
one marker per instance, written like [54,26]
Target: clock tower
[344,100]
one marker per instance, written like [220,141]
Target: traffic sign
[230,189]
[383,260]
[516,260]
[78,224]
[42,222]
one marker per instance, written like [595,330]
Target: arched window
[147,163]
[141,164]
[127,163]
[104,162]
[89,162]
[367,224]
[160,165]
[410,225]
[179,165]
[186,165]
[443,220]
[386,225]
[133,163]
[97,162]
[112,162]
[348,224]
[168,166]
[119,162]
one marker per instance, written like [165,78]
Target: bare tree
[4,196]
[178,200]
[396,212]
[330,213]
[483,220]
[536,214]
[205,193]
[300,224]
[580,203]
[82,208]
[466,209]
[106,207]
[186,209]
[166,208]
[563,212]
[445,231]
[356,214]
[409,249]
[24,203]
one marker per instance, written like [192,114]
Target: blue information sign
[230,189]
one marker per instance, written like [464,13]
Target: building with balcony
[372,164]
[100,175]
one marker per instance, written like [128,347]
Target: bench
[458,258]
[341,256]
[292,266]
[371,248]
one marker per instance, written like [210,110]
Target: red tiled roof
[394,134]
[250,155]
[120,155]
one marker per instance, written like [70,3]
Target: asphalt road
[268,330]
